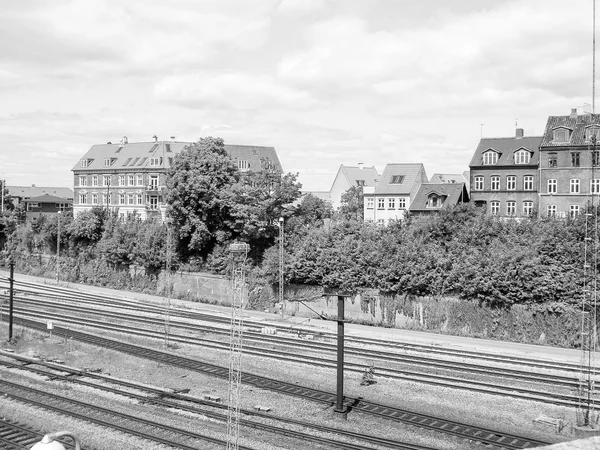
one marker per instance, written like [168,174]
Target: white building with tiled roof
[130,177]
[349,176]
[391,198]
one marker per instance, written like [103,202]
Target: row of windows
[564,134]
[574,186]
[123,199]
[575,159]
[511,208]
[520,157]
[552,211]
[123,180]
[511,183]
[392,203]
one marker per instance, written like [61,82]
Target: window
[397,179]
[32,205]
[154,182]
[551,210]
[561,135]
[380,222]
[435,201]
[527,208]
[380,203]
[155,161]
[85,162]
[243,164]
[130,180]
[511,183]
[595,186]
[105,199]
[83,181]
[595,158]
[522,157]
[574,211]
[528,182]
[552,160]
[370,202]
[94,199]
[121,180]
[360,182]
[479,183]
[490,157]
[140,180]
[121,199]
[391,203]
[495,183]
[575,159]
[592,131]
[95,180]
[551,186]
[574,186]
[107,162]
[402,203]
[130,199]
[106,180]
[139,199]
[153,203]
[511,208]
[495,207]
[82,199]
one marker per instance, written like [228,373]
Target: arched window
[490,157]
[522,157]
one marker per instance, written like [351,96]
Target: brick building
[504,175]
[569,158]
[131,177]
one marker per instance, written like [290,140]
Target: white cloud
[301,6]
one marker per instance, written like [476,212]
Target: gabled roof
[136,155]
[454,192]
[352,174]
[448,178]
[36,191]
[47,199]
[576,123]
[412,173]
[506,147]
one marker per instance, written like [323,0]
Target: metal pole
[11,299]
[58,250]
[3,183]
[281,255]
[339,407]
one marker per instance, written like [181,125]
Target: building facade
[569,164]
[434,197]
[504,176]
[392,197]
[349,176]
[131,177]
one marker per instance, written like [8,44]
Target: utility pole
[281,257]
[169,222]
[3,184]
[239,253]
[11,280]
[58,249]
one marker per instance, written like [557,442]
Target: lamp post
[58,249]
[281,255]
[49,441]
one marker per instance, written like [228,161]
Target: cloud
[235,91]
[301,6]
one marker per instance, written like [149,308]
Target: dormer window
[561,135]
[435,201]
[108,161]
[397,179]
[243,164]
[490,157]
[360,182]
[592,130]
[155,161]
[85,162]
[522,156]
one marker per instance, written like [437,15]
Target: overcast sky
[326,82]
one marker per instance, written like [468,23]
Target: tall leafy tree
[352,207]
[197,183]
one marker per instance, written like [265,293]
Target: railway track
[14,436]
[517,392]
[389,412]
[167,399]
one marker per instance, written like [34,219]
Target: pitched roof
[136,155]
[412,174]
[367,174]
[454,192]
[576,123]
[36,191]
[447,178]
[48,199]
[506,147]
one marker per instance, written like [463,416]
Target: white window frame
[391,203]
[595,186]
[494,207]
[83,199]
[479,183]
[511,208]
[401,203]
[381,203]
[130,199]
[552,186]
[591,131]
[511,183]
[130,180]
[122,180]
[528,183]
[522,157]
[82,180]
[573,211]
[121,199]
[139,199]
[495,183]
[490,158]
[95,180]
[155,161]
[574,186]
[94,198]
[107,162]
[561,135]
[243,164]
[370,203]
[153,181]
[140,179]
[85,162]
[105,180]
[551,210]
[527,207]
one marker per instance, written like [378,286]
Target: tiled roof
[367,174]
[48,199]
[412,174]
[36,191]
[506,147]
[447,178]
[577,124]
[136,155]
[454,192]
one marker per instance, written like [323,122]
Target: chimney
[124,141]
[361,166]
[573,113]
[172,138]
[155,137]
[519,134]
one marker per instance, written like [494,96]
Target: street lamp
[49,442]
[58,249]
[281,254]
